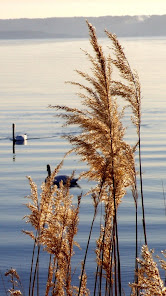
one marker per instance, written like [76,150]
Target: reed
[56,220]
[101,144]
[111,163]
[149,279]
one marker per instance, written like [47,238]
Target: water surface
[32,76]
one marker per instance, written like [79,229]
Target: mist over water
[32,76]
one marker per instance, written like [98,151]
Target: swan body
[63,178]
[21,138]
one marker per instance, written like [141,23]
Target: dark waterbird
[64,178]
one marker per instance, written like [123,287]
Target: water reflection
[23,142]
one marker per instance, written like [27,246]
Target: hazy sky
[59,8]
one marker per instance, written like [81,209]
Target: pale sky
[68,8]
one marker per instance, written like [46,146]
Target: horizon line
[50,17]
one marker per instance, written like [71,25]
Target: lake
[32,76]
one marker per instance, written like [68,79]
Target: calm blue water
[32,76]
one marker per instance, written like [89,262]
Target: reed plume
[38,218]
[149,279]
[101,141]
[15,282]
[55,221]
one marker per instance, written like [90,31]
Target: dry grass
[149,280]
[55,220]
[111,163]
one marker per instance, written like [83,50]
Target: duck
[64,178]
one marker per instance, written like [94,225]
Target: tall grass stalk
[132,94]
[96,201]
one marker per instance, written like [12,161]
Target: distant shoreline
[75,27]
[77,38]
